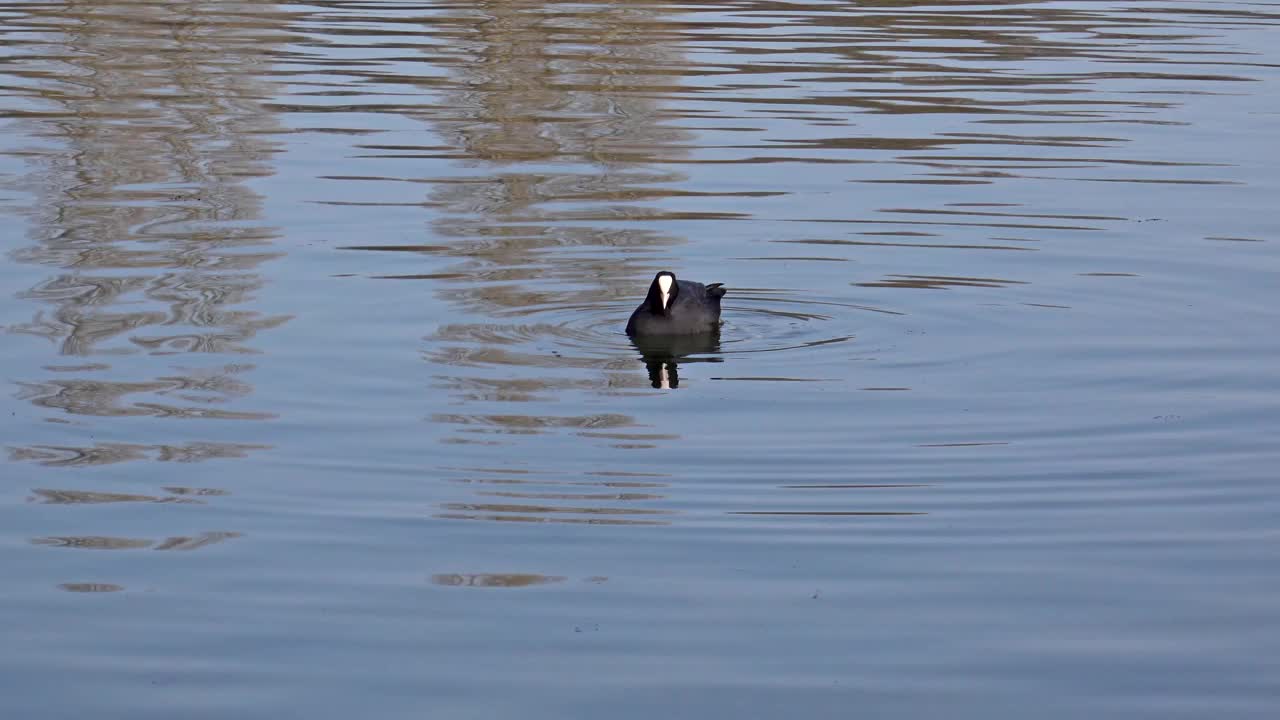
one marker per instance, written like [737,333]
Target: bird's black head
[662,293]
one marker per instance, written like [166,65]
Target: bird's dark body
[691,308]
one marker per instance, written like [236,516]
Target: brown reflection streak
[988,213]
[571,496]
[90,587]
[492,580]
[84,497]
[602,483]
[938,282]
[106,399]
[110,453]
[623,503]
[630,436]
[93,542]
[855,486]
[535,424]
[99,542]
[545,509]
[195,542]
[869,243]
[939,223]
[797,258]
[822,513]
[537,519]
[775,379]
[511,390]
[201,492]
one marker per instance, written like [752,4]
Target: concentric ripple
[587,338]
[590,334]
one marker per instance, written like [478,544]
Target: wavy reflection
[111,453]
[597,498]
[556,123]
[827,513]
[150,132]
[663,356]
[89,587]
[938,282]
[201,393]
[147,127]
[568,125]
[494,580]
[93,542]
[998,75]
[101,542]
[86,497]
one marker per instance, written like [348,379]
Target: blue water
[319,402]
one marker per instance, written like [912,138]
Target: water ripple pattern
[317,400]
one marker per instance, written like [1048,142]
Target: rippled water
[318,401]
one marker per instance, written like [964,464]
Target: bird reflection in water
[663,355]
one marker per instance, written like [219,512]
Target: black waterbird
[677,307]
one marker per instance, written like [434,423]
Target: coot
[677,307]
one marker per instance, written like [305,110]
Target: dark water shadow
[662,356]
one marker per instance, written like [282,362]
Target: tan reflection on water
[106,399]
[111,453]
[605,498]
[494,580]
[88,587]
[149,125]
[825,513]
[100,542]
[149,130]
[554,117]
[938,282]
[566,125]
[86,497]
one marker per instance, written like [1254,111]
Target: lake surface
[317,401]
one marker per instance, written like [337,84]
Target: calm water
[317,402]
